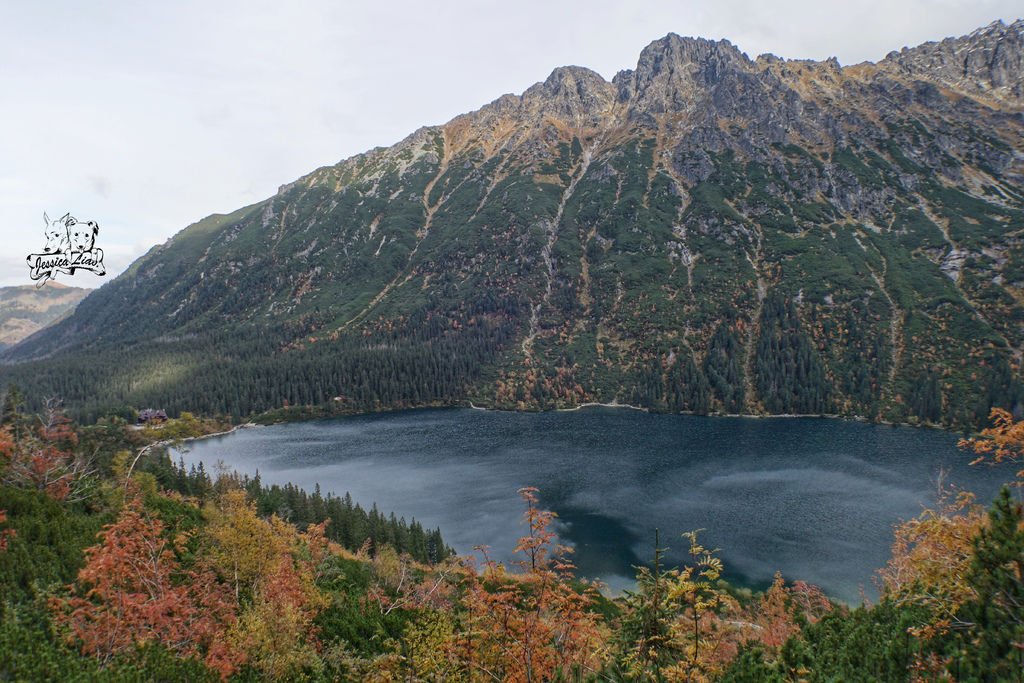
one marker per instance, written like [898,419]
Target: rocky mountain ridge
[706,232]
[986,64]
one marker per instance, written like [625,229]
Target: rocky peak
[674,51]
[573,93]
[987,63]
[566,79]
[673,70]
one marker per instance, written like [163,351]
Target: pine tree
[992,645]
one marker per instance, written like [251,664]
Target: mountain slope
[27,309]
[705,232]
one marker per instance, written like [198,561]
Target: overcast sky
[146,117]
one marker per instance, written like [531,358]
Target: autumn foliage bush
[273,571]
[930,556]
[533,625]
[46,458]
[1002,442]
[133,590]
[136,590]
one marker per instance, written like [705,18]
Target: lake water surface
[813,498]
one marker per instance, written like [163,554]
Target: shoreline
[752,416]
[313,413]
[174,442]
[595,404]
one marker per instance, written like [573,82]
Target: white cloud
[147,117]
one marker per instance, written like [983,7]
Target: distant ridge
[25,309]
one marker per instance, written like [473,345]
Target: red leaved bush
[133,591]
[46,460]
[777,615]
[6,533]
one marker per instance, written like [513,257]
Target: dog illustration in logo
[70,246]
[56,232]
[82,235]
[75,238]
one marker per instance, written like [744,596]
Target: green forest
[117,564]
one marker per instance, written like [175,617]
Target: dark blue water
[813,498]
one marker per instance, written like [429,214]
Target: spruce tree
[992,644]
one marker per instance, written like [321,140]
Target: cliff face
[705,232]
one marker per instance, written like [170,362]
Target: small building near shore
[151,416]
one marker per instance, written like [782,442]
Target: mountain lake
[814,498]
